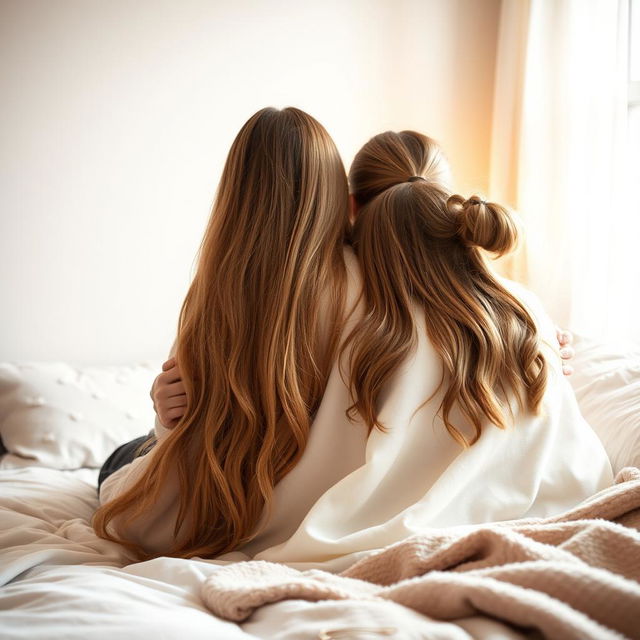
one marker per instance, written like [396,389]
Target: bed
[58,422]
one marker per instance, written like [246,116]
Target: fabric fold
[574,575]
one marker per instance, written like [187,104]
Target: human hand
[168,394]
[566,350]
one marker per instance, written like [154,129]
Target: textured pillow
[56,415]
[606,382]
[65,417]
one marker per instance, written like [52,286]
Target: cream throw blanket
[572,576]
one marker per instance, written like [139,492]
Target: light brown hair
[419,245]
[257,333]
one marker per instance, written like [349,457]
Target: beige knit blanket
[570,576]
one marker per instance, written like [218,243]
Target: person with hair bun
[421,244]
[453,369]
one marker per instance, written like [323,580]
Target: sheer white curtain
[560,157]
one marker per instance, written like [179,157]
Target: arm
[154,530]
[168,396]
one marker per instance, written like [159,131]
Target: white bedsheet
[62,582]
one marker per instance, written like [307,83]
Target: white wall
[115,120]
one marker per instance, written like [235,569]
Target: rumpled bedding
[571,576]
[60,582]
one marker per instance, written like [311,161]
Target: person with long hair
[257,337]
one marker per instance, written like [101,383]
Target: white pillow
[65,417]
[57,415]
[606,381]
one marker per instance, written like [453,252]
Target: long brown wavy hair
[257,333]
[420,245]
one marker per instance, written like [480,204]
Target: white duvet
[62,582]
[59,581]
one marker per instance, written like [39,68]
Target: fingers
[170,375]
[566,350]
[168,364]
[171,417]
[176,401]
[174,414]
[566,353]
[564,337]
[173,389]
[170,394]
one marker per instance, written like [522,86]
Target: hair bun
[484,224]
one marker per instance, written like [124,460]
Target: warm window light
[634,94]
[566,155]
